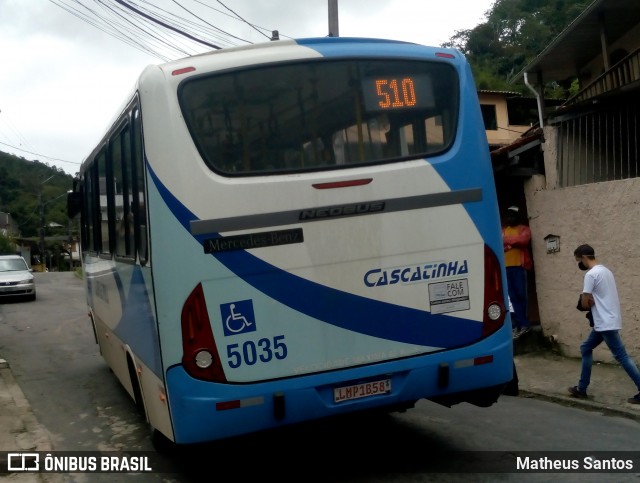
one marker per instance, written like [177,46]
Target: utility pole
[43,257]
[333,18]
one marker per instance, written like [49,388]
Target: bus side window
[88,233]
[118,186]
[140,210]
[123,184]
[102,215]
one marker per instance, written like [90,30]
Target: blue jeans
[614,342]
[517,287]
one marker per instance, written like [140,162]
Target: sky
[66,66]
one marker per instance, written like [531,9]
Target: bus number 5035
[263,350]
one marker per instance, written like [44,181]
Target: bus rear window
[321,114]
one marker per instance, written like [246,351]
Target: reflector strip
[482,360]
[239,403]
[473,362]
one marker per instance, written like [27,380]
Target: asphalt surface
[541,373]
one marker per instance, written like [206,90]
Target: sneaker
[635,399]
[575,392]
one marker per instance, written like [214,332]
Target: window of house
[489,116]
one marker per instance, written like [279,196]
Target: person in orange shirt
[516,238]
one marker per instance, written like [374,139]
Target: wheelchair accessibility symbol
[237,317]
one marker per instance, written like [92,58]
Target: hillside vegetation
[514,33]
[25,186]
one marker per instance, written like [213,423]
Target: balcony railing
[624,73]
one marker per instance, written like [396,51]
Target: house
[588,190]
[506,116]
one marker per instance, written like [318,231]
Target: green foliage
[7,245]
[574,88]
[514,33]
[24,185]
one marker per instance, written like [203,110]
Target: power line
[189,36]
[181,23]
[207,23]
[151,29]
[41,155]
[104,25]
[139,30]
[133,30]
[17,135]
[251,25]
[235,17]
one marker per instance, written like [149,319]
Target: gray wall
[607,216]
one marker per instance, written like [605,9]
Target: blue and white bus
[288,231]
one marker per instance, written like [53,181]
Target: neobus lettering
[345,210]
[381,276]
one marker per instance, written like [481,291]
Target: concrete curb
[582,403]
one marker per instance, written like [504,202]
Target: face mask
[582,266]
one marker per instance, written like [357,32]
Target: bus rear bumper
[204,411]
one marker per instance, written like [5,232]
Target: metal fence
[600,144]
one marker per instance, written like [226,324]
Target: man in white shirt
[600,294]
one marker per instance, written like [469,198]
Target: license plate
[365,389]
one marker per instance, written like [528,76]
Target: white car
[16,278]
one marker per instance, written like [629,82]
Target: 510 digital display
[389,93]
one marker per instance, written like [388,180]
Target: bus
[293,230]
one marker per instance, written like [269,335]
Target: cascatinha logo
[415,273]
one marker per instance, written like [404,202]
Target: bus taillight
[494,308]
[199,352]
[184,70]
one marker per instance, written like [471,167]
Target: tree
[515,32]
[35,196]
[22,190]
[7,245]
